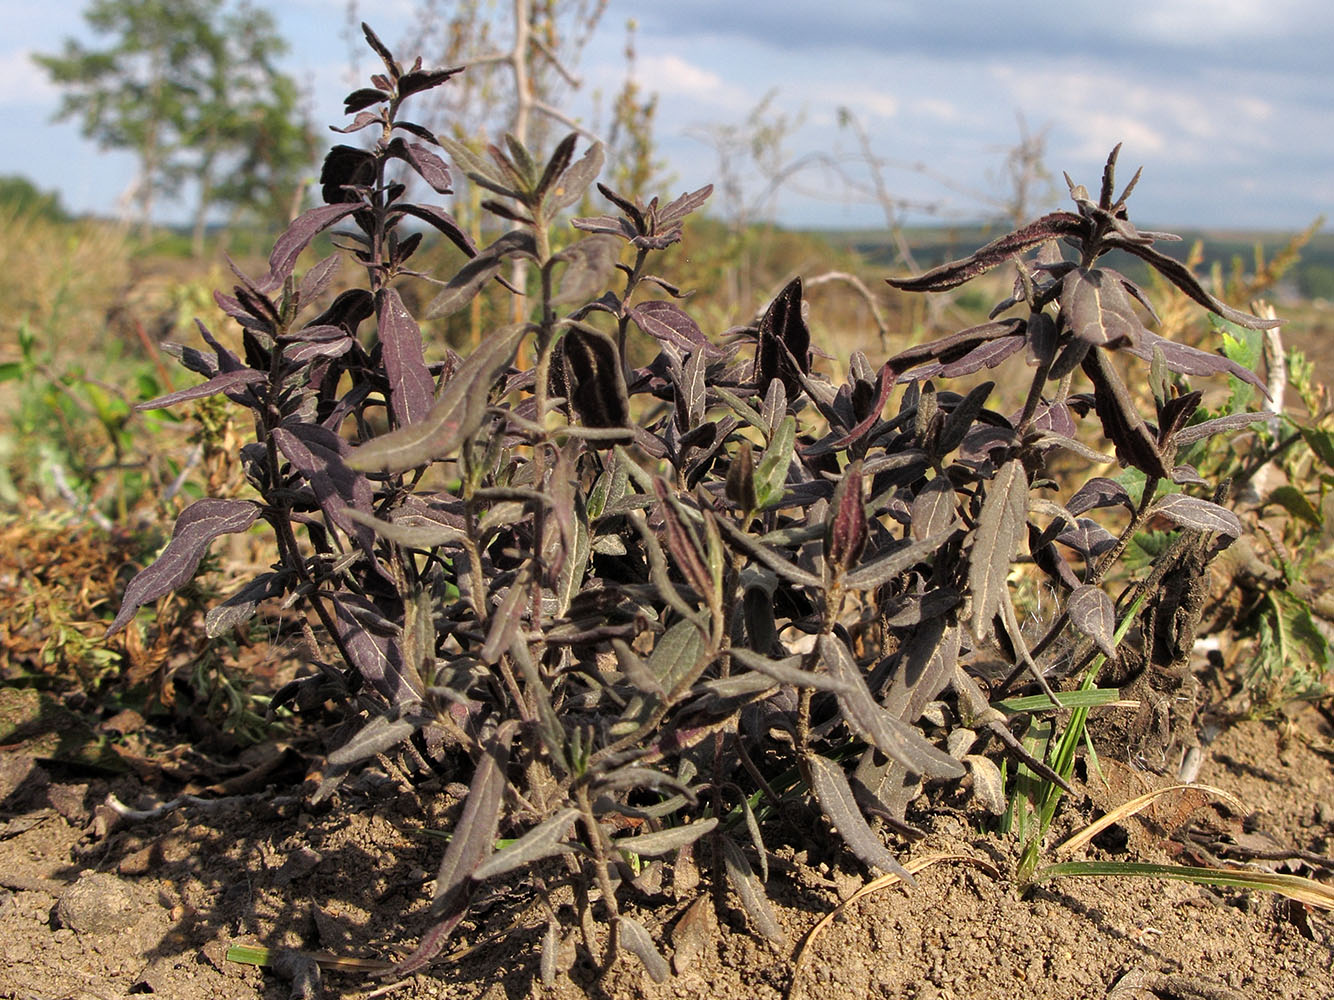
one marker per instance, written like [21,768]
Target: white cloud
[1175,121]
[1204,23]
[670,75]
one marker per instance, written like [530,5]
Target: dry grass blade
[259,955]
[1303,890]
[876,884]
[1128,809]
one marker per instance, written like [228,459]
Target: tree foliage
[192,89]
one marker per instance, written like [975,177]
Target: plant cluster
[645,607]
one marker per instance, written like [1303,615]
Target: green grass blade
[1084,698]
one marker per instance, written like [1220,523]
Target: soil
[94,904]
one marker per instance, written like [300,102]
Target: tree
[192,89]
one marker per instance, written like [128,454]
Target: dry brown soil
[93,905]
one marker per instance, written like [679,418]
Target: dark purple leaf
[1054,417]
[996,540]
[751,892]
[317,453]
[1135,444]
[783,350]
[1041,336]
[241,606]
[299,234]
[959,421]
[1206,428]
[652,845]
[1087,537]
[316,281]
[884,384]
[1049,439]
[1095,307]
[198,525]
[1198,514]
[927,660]
[995,253]
[411,389]
[1174,412]
[363,98]
[933,509]
[372,643]
[546,840]
[381,50]
[636,940]
[417,80]
[681,542]
[669,325]
[897,559]
[429,166]
[834,794]
[678,208]
[953,347]
[195,360]
[215,385]
[1100,492]
[893,737]
[420,131]
[380,734]
[846,529]
[363,119]
[1179,275]
[740,485]
[767,556]
[594,380]
[575,179]
[1050,560]
[678,658]
[609,225]
[465,285]
[788,670]
[434,940]
[306,352]
[1191,361]
[444,222]
[1092,612]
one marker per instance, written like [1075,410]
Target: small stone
[71,801]
[98,903]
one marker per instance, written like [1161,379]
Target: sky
[1227,104]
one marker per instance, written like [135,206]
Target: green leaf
[771,473]
[1246,348]
[456,415]
[678,657]
[1321,442]
[1295,503]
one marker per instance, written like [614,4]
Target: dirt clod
[98,903]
